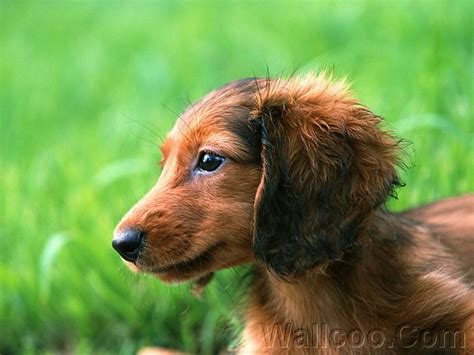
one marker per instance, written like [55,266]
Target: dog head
[282,172]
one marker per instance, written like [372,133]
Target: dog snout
[128,243]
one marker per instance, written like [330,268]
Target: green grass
[89,88]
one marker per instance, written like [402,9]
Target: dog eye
[209,161]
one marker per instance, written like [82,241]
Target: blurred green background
[89,88]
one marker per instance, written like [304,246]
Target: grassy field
[87,89]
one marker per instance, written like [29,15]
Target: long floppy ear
[326,166]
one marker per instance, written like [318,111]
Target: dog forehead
[224,110]
[221,120]
[226,103]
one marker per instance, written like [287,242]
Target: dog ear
[326,165]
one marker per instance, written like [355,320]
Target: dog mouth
[189,267]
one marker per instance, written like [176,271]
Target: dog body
[292,176]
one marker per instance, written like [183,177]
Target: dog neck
[322,294]
[280,311]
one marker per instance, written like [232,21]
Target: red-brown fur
[301,195]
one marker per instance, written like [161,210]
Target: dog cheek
[234,226]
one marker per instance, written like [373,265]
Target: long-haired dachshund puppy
[292,176]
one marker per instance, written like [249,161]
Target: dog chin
[169,277]
[177,278]
[131,266]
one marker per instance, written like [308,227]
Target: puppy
[292,176]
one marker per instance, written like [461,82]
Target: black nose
[128,243]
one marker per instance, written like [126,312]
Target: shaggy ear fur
[326,166]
